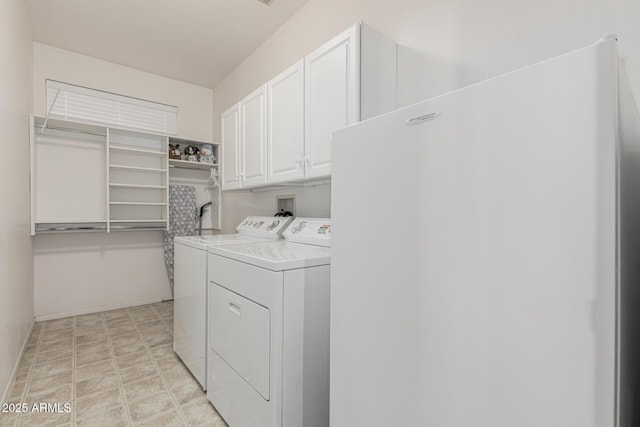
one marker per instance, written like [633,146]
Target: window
[95,106]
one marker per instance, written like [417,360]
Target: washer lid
[276,256]
[251,229]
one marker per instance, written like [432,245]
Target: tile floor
[115,368]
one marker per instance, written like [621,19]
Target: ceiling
[196,41]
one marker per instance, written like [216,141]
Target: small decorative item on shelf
[191,152]
[206,154]
[174,151]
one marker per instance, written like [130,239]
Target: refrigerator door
[492,301]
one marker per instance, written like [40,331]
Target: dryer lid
[276,255]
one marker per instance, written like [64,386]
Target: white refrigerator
[485,261]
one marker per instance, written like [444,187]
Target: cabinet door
[230,131]
[285,142]
[253,109]
[332,97]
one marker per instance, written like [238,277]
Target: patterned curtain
[182,221]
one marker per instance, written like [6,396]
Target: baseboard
[12,377]
[97,309]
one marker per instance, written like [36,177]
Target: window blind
[95,106]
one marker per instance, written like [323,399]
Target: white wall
[89,272]
[84,273]
[310,202]
[443,44]
[16,252]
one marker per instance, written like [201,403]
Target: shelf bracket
[46,119]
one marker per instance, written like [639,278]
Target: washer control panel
[263,226]
[312,231]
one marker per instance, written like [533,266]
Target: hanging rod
[134,228]
[74,228]
[40,228]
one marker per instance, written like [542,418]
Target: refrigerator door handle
[421,118]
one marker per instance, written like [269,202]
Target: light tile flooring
[116,368]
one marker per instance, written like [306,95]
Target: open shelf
[139,151]
[136,169]
[87,177]
[185,164]
[139,186]
[138,227]
[139,221]
[137,204]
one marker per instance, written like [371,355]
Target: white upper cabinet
[331,97]
[253,134]
[285,143]
[377,71]
[244,135]
[230,130]
[349,78]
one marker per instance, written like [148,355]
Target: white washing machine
[190,286]
[268,348]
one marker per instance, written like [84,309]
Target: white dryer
[268,348]
[190,286]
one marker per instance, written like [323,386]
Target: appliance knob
[298,228]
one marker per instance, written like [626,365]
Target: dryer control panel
[263,226]
[312,231]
